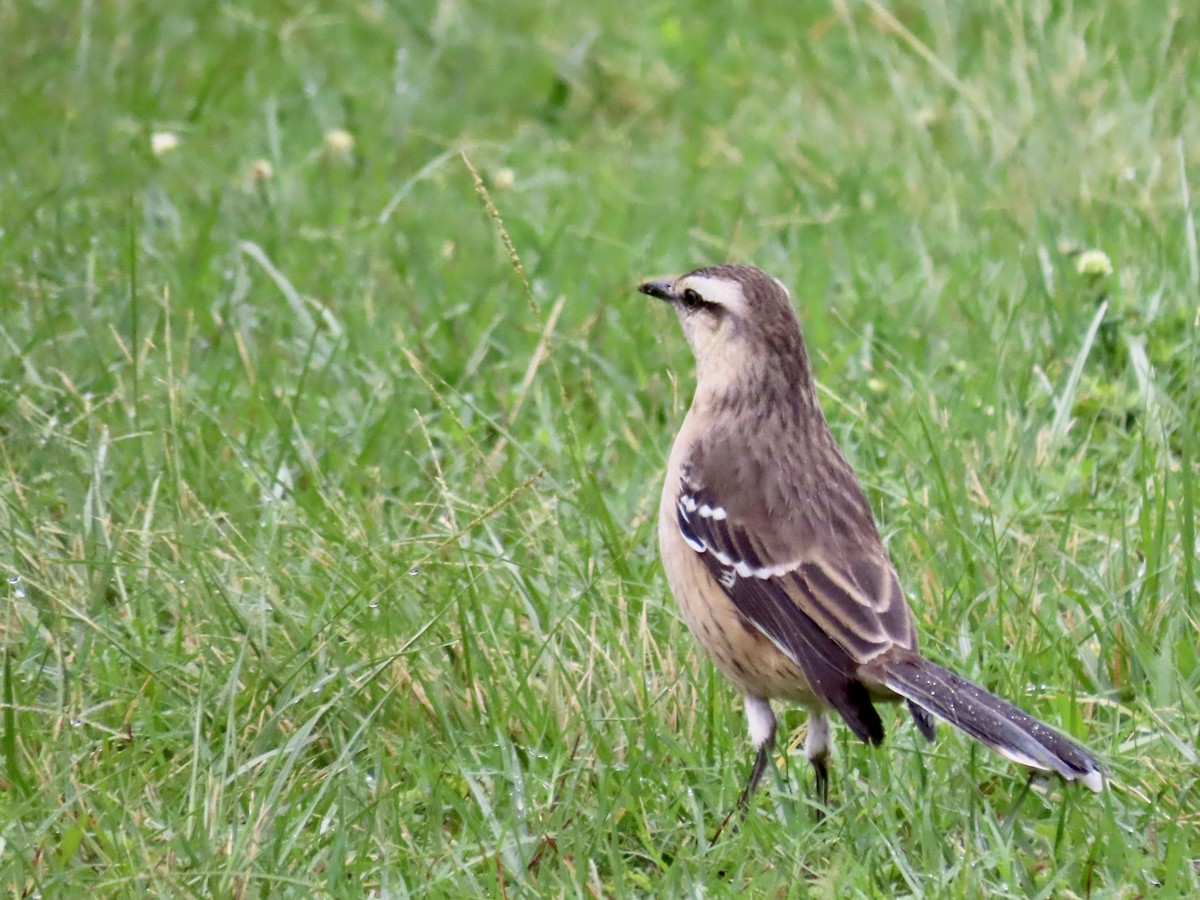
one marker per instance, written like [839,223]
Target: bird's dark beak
[660,288]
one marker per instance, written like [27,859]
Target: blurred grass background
[328,533]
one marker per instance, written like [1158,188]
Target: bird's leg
[756,774]
[816,747]
[761,719]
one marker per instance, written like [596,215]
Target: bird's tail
[985,717]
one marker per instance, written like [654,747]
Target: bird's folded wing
[829,616]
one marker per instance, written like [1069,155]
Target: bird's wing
[829,613]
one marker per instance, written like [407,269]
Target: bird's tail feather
[985,717]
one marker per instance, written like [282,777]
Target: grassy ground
[328,534]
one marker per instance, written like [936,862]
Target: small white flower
[261,170]
[504,179]
[1094,264]
[339,140]
[163,142]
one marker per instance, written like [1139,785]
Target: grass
[328,534]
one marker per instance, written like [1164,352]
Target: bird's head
[734,317]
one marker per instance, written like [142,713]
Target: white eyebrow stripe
[722,291]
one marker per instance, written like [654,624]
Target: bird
[771,550]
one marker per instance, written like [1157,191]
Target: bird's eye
[691,299]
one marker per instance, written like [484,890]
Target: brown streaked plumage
[772,552]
